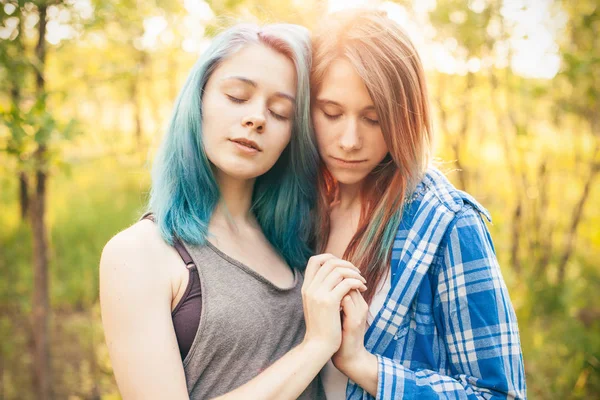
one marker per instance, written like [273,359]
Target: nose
[350,139]
[255,121]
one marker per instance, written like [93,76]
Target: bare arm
[135,299]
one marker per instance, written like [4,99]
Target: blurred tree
[12,58]
[463,29]
[40,303]
[32,131]
[124,24]
[580,94]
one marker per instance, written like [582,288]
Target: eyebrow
[325,102]
[254,85]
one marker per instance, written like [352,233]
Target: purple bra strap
[183,253]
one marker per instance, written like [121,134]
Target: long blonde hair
[387,61]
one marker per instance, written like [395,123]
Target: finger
[337,275]
[360,301]
[330,265]
[354,315]
[348,306]
[346,286]
[356,297]
[314,264]
[324,270]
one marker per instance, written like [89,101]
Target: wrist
[317,348]
[356,365]
[364,370]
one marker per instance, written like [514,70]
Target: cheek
[217,120]
[323,131]
[281,138]
[209,117]
[378,146]
[217,114]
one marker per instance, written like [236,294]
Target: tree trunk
[23,195]
[151,93]
[461,141]
[135,99]
[15,94]
[137,118]
[40,301]
[40,285]
[543,241]
[578,213]
[454,143]
[515,260]
[2,376]
[95,370]
[507,125]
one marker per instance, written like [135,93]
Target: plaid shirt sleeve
[475,320]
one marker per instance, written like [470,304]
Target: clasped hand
[331,285]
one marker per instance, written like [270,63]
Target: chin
[241,172]
[244,173]
[243,169]
[348,177]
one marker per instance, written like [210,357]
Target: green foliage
[31,128]
[581,60]
[86,208]
[456,19]
[525,148]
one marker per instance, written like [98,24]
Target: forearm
[288,377]
[363,371]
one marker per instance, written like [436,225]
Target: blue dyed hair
[184,189]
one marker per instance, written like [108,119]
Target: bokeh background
[86,88]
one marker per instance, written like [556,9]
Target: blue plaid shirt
[447,328]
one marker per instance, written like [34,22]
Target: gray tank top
[247,323]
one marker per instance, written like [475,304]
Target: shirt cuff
[394,381]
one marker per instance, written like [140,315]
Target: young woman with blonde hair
[440,321]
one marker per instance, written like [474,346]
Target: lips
[344,161]
[247,143]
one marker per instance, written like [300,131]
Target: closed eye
[235,99]
[331,116]
[278,117]
[371,121]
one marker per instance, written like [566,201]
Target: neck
[233,209]
[349,196]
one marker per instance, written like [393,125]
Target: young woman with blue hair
[203,297]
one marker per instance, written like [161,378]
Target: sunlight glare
[153,27]
[337,5]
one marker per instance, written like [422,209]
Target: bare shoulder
[139,256]
[141,242]
[143,235]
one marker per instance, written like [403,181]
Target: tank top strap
[181,250]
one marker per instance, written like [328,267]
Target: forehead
[270,69]
[343,85]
